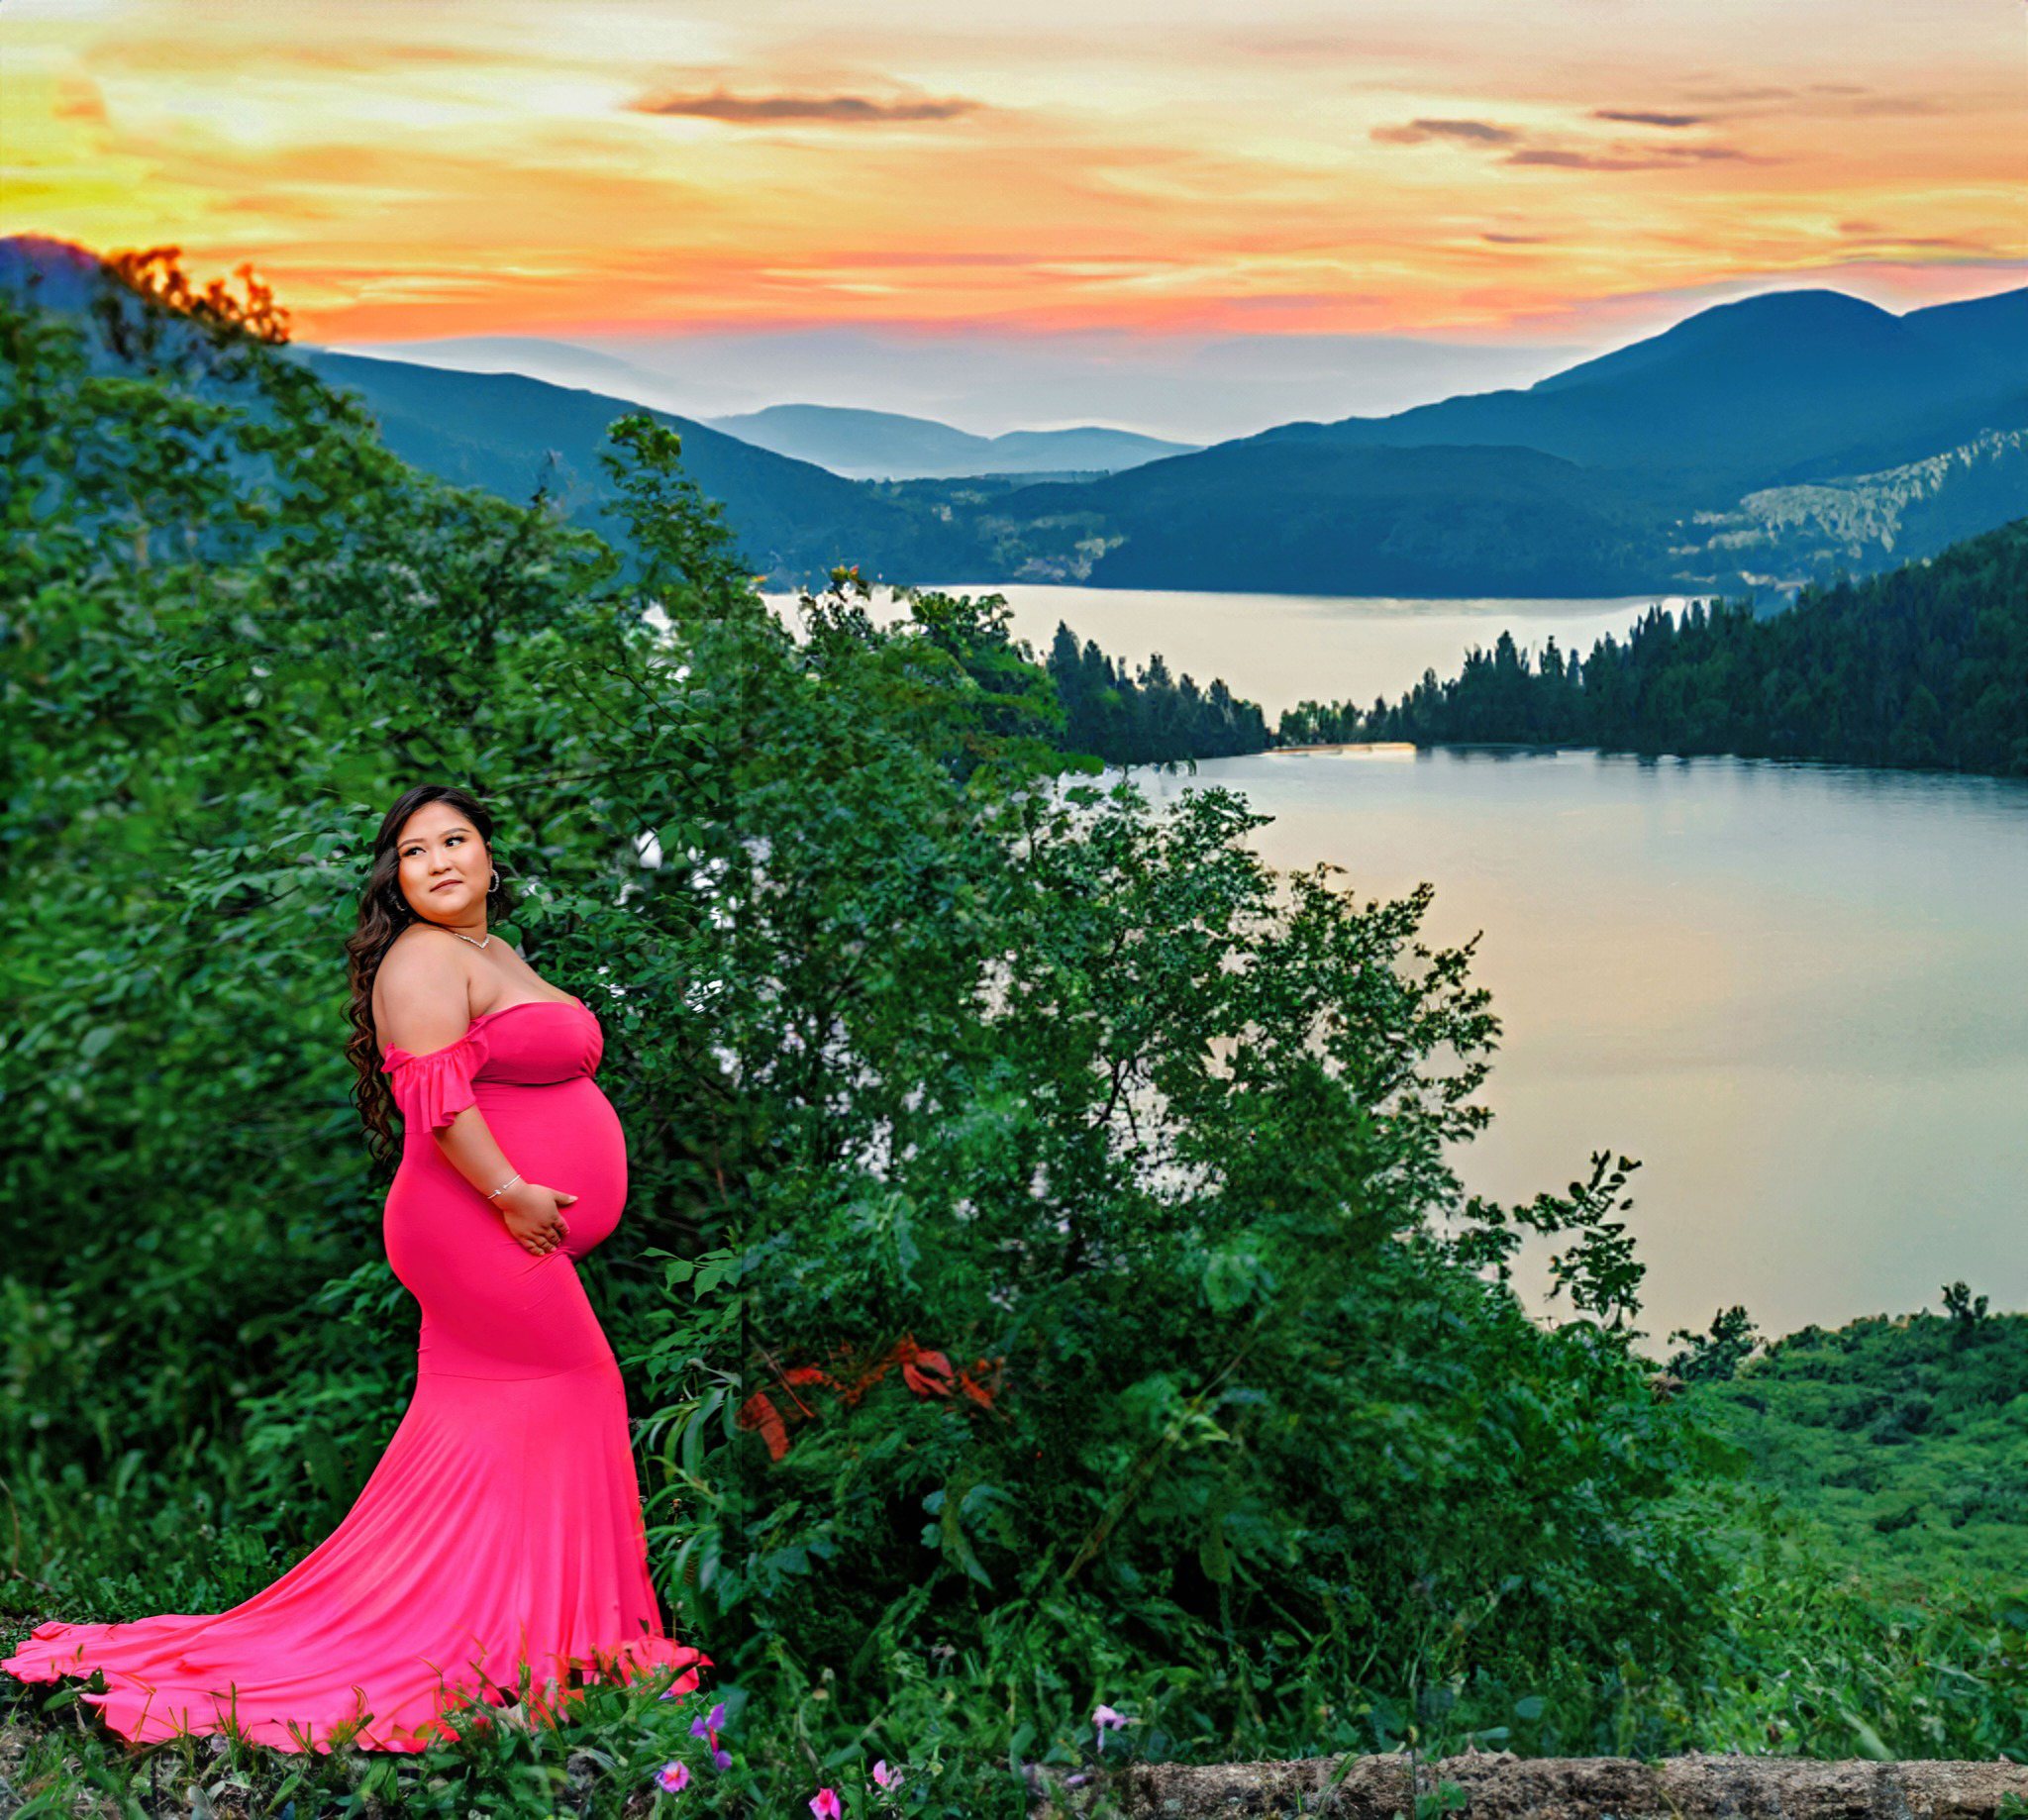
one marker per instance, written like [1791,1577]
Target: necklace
[487,942]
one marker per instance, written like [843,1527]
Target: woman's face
[445,865]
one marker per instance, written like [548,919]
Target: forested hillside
[794,520]
[1829,384]
[1925,667]
[1770,442]
[1046,1281]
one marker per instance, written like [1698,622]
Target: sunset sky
[1569,172]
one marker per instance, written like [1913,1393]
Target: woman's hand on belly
[534,1217]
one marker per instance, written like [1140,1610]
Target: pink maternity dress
[502,1527]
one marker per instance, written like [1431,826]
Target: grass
[1879,1607]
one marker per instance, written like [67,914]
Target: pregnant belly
[566,1136]
[490,1309]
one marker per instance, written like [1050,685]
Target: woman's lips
[446,884]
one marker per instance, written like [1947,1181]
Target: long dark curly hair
[383,914]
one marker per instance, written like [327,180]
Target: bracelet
[504,1186]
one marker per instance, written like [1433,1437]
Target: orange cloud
[1431,165]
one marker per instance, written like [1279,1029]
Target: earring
[495,885]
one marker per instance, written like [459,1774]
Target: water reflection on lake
[1800,994]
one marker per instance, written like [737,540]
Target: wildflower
[886,1778]
[825,1805]
[1104,1717]
[706,1728]
[672,1777]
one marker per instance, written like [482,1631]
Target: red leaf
[759,1411]
[913,1357]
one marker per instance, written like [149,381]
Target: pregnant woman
[497,1552]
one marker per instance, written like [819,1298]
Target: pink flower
[824,1804]
[672,1777]
[1104,1717]
[886,1778]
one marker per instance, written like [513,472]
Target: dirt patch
[1501,1786]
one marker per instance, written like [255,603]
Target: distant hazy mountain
[534,356]
[883,445]
[1192,388]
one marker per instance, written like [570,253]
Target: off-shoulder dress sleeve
[433,1089]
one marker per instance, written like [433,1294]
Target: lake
[1798,994]
[1282,648]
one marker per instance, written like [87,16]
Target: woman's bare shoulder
[423,986]
[422,954]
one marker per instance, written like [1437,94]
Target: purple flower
[672,1777]
[886,1778]
[706,1728]
[1104,1717]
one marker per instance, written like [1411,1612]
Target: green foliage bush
[1044,1282]
[1905,1442]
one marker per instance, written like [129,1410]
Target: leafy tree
[1967,1312]
[1716,1355]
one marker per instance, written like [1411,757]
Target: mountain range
[1754,446]
[797,521]
[885,445]
[1761,442]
